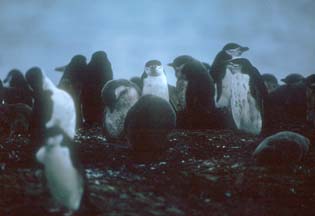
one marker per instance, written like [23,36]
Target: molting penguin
[281,149]
[64,176]
[199,95]
[146,129]
[55,106]
[16,89]
[98,74]
[247,96]
[219,75]
[72,81]
[181,83]
[270,82]
[118,97]
[154,80]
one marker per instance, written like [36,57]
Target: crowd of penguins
[228,94]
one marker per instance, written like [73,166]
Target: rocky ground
[202,173]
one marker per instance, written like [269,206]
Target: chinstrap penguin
[248,93]
[154,80]
[218,72]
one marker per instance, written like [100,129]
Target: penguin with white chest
[247,95]
[62,110]
[154,80]
[118,97]
[219,74]
[63,173]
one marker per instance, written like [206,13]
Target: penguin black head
[76,65]
[15,78]
[113,89]
[239,65]
[234,49]
[153,68]
[270,82]
[179,62]
[293,78]
[100,68]
[34,77]
[193,69]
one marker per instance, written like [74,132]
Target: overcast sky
[47,33]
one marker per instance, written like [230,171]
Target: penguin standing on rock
[147,130]
[247,96]
[181,83]
[99,72]
[118,97]
[154,80]
[218,72]
[199,96]
[72,82]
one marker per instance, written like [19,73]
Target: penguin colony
[145,109]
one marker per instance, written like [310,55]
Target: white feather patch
[156,85]
[244,110]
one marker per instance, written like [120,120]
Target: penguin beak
[61,68]
[243,49]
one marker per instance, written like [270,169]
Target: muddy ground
[203,173]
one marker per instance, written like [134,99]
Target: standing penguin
[99,72]
[147,130]
[64,176]
[118,97]
[247,96]
[16,89]
[218,72]
[55,106]
[199,95]
[154,80]
[72,81]
[181,83]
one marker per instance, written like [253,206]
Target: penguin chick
[118,97]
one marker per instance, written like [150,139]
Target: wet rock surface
[207,172]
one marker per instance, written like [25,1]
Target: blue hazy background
[280,33]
